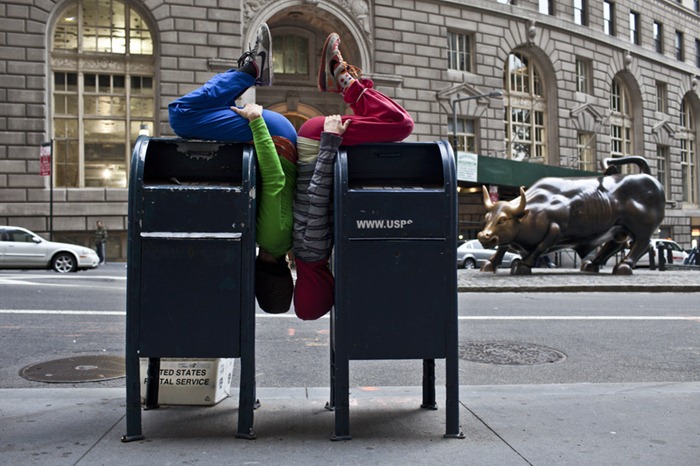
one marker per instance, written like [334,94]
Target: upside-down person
[375,118]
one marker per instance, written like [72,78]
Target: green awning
[502,172]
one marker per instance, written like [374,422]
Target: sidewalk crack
[496,434]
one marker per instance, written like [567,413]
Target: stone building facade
[562,83]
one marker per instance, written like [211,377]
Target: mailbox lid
[193,163]
[411,166]
[182,185]
[396,190]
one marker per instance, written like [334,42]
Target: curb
[581,289]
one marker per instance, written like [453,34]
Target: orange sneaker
[333,66]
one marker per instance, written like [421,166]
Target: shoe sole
[266,74]
[326,80]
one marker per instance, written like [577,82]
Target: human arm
[268,161]
[274,217]
[318,235]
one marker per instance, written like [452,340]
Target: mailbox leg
[133,399]
[452,427]
[342,400]
[429,385]
[246,397]
[330,405]
[246,401]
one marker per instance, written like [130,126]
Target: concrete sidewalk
[577,424]
[572,424]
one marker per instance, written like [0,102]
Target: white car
[23,249]
[678,254]
[472,254]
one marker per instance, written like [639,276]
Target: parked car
[472,255]
[678,254]
[23,249]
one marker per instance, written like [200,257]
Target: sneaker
[259,57]
[332,65]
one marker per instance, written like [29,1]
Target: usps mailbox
[394,265]
[191,256]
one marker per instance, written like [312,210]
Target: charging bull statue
[611,210]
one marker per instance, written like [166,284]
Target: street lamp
[453,102]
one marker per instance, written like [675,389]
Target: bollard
[652,258]
[662,260]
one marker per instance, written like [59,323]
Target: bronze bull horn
[487,199]
[521,207]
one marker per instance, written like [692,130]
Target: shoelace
[244,58]
[353,70]
[250,53]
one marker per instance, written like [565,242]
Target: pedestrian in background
[100,241]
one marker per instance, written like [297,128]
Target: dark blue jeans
[205,113]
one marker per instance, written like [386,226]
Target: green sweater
[275,197]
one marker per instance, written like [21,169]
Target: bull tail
[611,165]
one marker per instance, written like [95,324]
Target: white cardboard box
[189,381]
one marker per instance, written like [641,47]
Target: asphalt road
[592,337]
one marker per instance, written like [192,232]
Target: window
[459,52]
[663,162]
[679,46]
[17,236]
[466,134]
[581,12]
[661,96]
[621,143]
[98,112]
[687,138]
[658,37]
[635,24]
[291,55]
[583,76]
[525,112]
[609,18]
[697,53]
[546,7]
[586,151]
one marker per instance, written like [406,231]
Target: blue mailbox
[191,256]
[394,265]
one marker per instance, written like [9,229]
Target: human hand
[250,111]
[335,124]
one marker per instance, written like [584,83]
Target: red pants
[376,117]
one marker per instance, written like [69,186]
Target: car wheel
[515,263]
[469,263]
[64,263]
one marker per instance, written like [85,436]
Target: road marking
[292,316]
[16,282]
[52,312]
[578,317]
[61,277]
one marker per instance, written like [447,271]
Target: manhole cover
[515,354]
[77,369]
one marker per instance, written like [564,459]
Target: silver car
[472,254]
[23,249]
